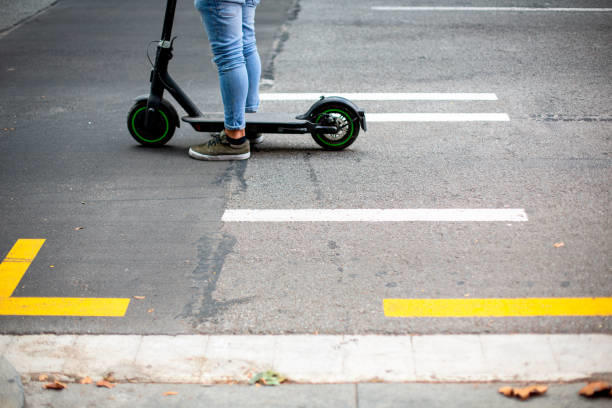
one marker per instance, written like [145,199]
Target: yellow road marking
[39,306]
[17,263]
[498,307]
[15,266]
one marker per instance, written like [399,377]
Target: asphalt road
[17,12]
[151,217]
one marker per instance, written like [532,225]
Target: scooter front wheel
[162,124]
[340,116]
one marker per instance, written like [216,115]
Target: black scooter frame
[256,122]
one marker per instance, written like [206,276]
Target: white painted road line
[414,96]
[312,359]
[437,117]
[376,215]
[528,9]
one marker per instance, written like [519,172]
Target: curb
[313,359]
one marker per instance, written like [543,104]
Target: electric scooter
[333,122]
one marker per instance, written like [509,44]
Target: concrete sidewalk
[323,370]
[302,396]
[16,11]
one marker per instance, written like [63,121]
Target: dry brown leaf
[165,394]
[139,297]
[110,378]
[104,383]
[523,393]
[559,244]
[597,387]
[85,380]
[79,228]
[55,385]
[43,377]
[150,310]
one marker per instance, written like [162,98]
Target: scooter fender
[167,105]
[337,100]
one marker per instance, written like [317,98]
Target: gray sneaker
[255,138]
[218,148]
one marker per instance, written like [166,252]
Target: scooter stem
[168,20]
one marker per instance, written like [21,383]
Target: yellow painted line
[39,306]
[17,263]
[15,266]
[498,307]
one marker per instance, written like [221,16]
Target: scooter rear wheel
[339,115]
[162,128]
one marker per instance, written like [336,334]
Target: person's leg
[253,62]
[251,56]
[223,23]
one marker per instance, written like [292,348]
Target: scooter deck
[267,122]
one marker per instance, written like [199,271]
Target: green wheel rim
[350,133]
[145,139]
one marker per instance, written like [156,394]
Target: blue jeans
[230,26]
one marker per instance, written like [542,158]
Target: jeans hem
[234,127]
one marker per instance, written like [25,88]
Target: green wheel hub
[344,120]
[165,126]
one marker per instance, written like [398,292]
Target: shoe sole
[200,156]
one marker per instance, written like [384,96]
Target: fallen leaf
[559,244]
[79,228]
[523,393]
[150,310]
[165,394]
[55,385]
[85,380]
[267,378]
[596,389]
[110,378]
[43,377]
[527,392]
[51,266]
[139,297]
[104,383]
